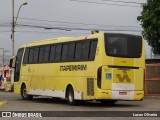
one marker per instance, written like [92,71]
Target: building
[152,77]
[7,71]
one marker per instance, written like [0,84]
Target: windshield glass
[123,45]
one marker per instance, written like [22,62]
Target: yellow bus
[105,67]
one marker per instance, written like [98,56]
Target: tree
[150,21]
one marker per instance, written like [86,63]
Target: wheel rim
[24,92]
[70,97]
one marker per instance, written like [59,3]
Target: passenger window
[25,60]
[85,50]
[41,54]
[78,51]
[64,52]
[30,55]
[58,52]
[71,51]
[52,53]
[93,50]
[35,56]
[46,53]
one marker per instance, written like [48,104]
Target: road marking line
[3,103]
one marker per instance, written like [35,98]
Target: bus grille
[90,86]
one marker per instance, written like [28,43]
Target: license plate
[122,93]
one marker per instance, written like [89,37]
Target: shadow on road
[83,103]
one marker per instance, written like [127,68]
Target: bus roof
[59,40]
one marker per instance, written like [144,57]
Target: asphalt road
[15,103]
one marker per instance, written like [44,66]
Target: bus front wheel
[70,96]
[24,94]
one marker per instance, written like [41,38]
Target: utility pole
[12,28]
[14,24]
[2,61]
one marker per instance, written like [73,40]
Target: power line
[53,33]
[80,23]
[103,3]
[67,22]
[50,32]
[76,28]
[5,26]
[124,2]
[4,31]
[5,23]
[68,28]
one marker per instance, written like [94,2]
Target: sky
[69,16]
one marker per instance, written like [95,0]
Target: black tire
[70,96]
[108,102]
[24,94]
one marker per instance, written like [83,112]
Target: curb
[3,103]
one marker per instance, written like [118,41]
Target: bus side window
[30,55]
[35,56]
[26,56]
[71,51]
[78,51]
[93,47]
[41,54]
[64,52]
[52,54]
[58,52]
[46,53]
[85,50]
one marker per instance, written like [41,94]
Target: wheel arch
[24,84]
[24,92]
[68,86]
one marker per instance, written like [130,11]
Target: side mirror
[12,62]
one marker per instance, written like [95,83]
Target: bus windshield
[123,45]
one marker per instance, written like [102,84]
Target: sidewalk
[6,86]
[152,97]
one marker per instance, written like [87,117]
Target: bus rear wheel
[70,96]
[24,94]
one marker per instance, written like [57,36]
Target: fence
[152,80]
